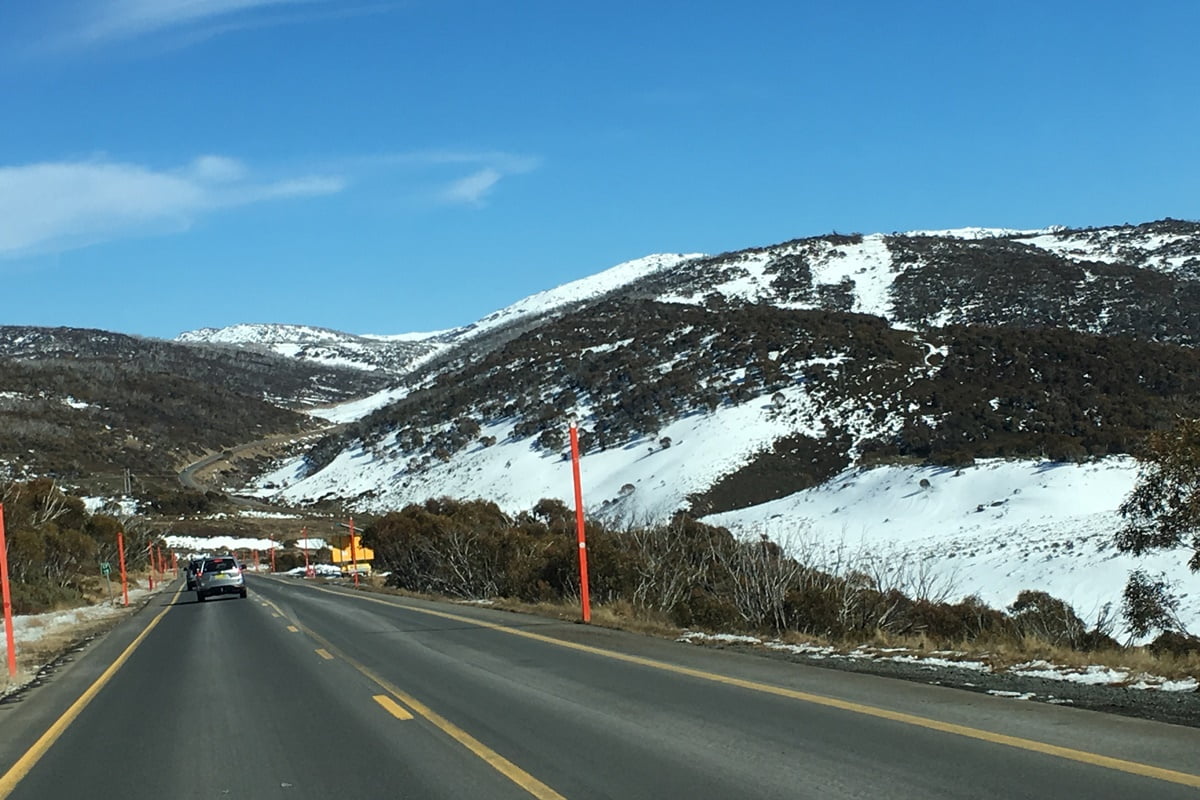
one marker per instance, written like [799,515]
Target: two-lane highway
[304,690]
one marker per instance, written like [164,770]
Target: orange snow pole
[353,553]
[583,569]
[121,556]
[9,640]
[308,570]
[150,555]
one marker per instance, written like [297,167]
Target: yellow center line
[34,754]
[323,653]
[293,629]
[1032,745]
[393,708]
[498,762]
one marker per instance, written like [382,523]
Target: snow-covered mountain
[403,352]
[914,279]
[321,346]
[807,389]
[764,344]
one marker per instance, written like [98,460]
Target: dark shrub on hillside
[813,608]
[702,609]
[41,596]
[1047,618]
[1175,643]
[1148,604]
[969,620]
[701,576]
[178,502]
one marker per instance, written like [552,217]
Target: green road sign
[105,568]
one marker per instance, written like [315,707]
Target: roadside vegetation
[55,547]
[688,575]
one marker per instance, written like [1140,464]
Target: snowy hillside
[328,348]
[588,288]
[403,352]
[749,388]
[642,481]
[991,529]
[914,279]
[264,334]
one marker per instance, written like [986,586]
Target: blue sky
[385,166]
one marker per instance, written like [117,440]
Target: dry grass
[1004,654]
[1000,654]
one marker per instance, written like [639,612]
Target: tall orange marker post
[583,572]
[272,555]
[8,624]
[353,553]
[150,556]
[121,556]
[308,570]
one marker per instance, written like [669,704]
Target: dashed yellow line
[392,707]
[293,629]
[1031,745]
[496,761]
[323,653]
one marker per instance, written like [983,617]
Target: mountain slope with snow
[320,346]
[1082,279]
[758,389]
[991,529]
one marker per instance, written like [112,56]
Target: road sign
[105,568]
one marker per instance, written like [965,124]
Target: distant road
[188,476]
[307,691]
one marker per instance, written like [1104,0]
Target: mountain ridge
[890,275]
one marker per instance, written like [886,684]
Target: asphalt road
[308,691]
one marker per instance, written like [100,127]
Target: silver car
[220,575]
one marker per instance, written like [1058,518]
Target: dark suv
[220,575]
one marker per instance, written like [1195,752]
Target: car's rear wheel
[242,593]
[199,597]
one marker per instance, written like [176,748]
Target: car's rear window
[219,564]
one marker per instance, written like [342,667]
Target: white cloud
[56,206]
[217,169]
[126,19]
[473,188]
[490,167]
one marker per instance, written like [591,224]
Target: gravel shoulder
[1179,708]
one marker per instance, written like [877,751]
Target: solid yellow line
[323,653]
[293,629]
[1068,753]
[498,762]
[34,754]
[393,708]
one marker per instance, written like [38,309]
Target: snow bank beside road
[991,529]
